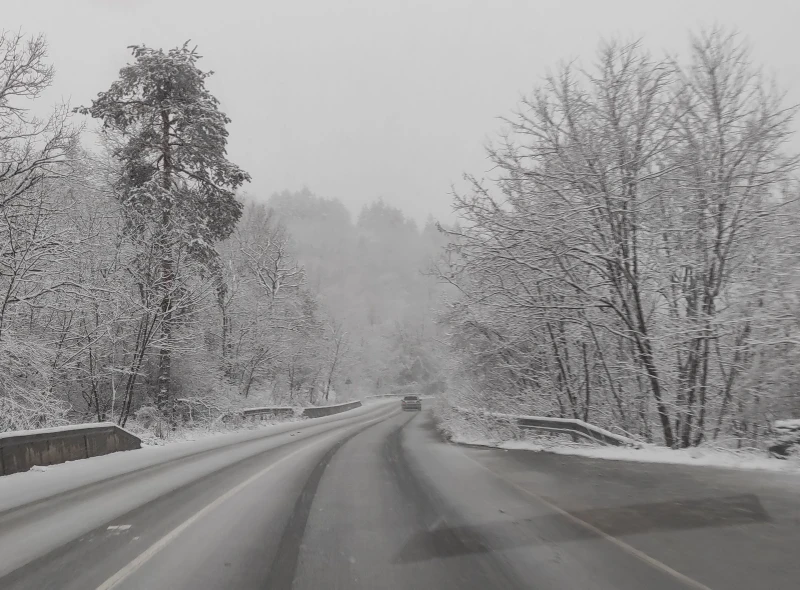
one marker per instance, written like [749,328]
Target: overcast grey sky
[364,98]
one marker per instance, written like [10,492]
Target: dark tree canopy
[172,144]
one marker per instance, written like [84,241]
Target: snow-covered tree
[619,268]
[175,180]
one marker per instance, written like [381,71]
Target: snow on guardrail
[262,413]
[563,425]
[307,412]
[20,450]
[318,411]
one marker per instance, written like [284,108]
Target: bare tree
[34,240]
[611,263]
[337,349]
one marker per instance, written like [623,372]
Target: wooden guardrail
[21,450]
[563,425]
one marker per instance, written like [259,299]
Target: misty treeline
[634,261]
[631,261]
[137,281]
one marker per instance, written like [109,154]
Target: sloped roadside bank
[470,429]
[245,419]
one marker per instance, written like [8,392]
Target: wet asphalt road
[379,501]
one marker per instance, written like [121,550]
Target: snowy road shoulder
[39,483]
[699,456]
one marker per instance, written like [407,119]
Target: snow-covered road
[374,499]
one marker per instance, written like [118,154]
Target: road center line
[651,561]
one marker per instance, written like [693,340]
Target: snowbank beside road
[469,430]
[699,456]
[31,486]
[184,435]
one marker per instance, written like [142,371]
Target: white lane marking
[151,551]
[119,527]
[651,561]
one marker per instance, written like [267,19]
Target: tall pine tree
[170,139]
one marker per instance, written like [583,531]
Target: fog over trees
[630,260]
[135,280]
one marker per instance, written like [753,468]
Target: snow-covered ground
[50,430]
[700,456]
[45,481]
[474,432]
[200,432]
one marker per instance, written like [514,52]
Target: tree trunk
[226,342]
[168,278]
[588,399]
[146,326]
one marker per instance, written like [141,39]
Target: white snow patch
[483,433]
[30,486]
[698,456]
[788,424]
[55,429]
[205,432]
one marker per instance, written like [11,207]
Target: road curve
[378,501]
